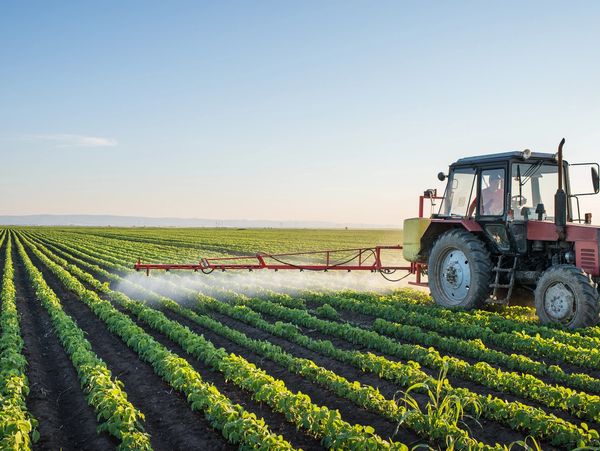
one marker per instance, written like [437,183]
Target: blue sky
[338,111]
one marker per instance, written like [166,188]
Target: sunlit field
[96,355]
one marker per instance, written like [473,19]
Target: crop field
[94,355]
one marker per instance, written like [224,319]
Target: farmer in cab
[492,197]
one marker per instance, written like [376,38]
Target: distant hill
[139,221]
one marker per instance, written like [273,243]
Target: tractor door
[492,192]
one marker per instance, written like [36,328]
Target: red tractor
[507,220]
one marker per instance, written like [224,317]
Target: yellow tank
[414,228]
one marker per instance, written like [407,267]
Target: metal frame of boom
[362,259]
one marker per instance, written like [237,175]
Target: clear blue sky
[340,111]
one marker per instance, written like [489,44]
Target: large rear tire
[459,270]
[566,295]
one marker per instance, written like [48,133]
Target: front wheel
[459,270]
[566,295]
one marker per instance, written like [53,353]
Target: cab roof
[503,156]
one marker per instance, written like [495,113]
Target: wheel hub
[559,302]
[456,275]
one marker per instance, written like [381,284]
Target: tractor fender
[439,226]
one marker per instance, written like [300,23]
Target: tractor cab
[500,193]
[510,186]
[504,186]
[507,220]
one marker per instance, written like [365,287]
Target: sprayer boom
[361,259]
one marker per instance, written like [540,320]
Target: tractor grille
[589,260]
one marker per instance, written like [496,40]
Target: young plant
[328,312]
[444,407]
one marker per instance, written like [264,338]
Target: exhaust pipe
[560,198]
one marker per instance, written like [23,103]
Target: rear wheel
[459,270]
[566,295]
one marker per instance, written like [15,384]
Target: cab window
[492,192]
[533,188]
[459,192]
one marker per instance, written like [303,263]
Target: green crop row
[357,336]
[236,424]
[90,250]
[17,425]
[515,415]
[517,341]
[408,326]
[493,322]
[297,407]
[117,415]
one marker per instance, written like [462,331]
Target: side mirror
[579,183]
[442,176]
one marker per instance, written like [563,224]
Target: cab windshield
[459,192]
[533,188]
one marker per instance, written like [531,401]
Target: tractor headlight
[570,257]
[526,154]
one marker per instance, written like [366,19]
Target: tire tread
[480,260]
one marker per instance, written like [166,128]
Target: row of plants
[519,315]
[526,386]
[363,395]
[516,415]
[442,334]
[518,341]
[588,338]
[18,428]
[580,404]
[106,396]
[476,349]
[319,421]
[236,424]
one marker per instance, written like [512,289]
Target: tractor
[508,220]
[505,220]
